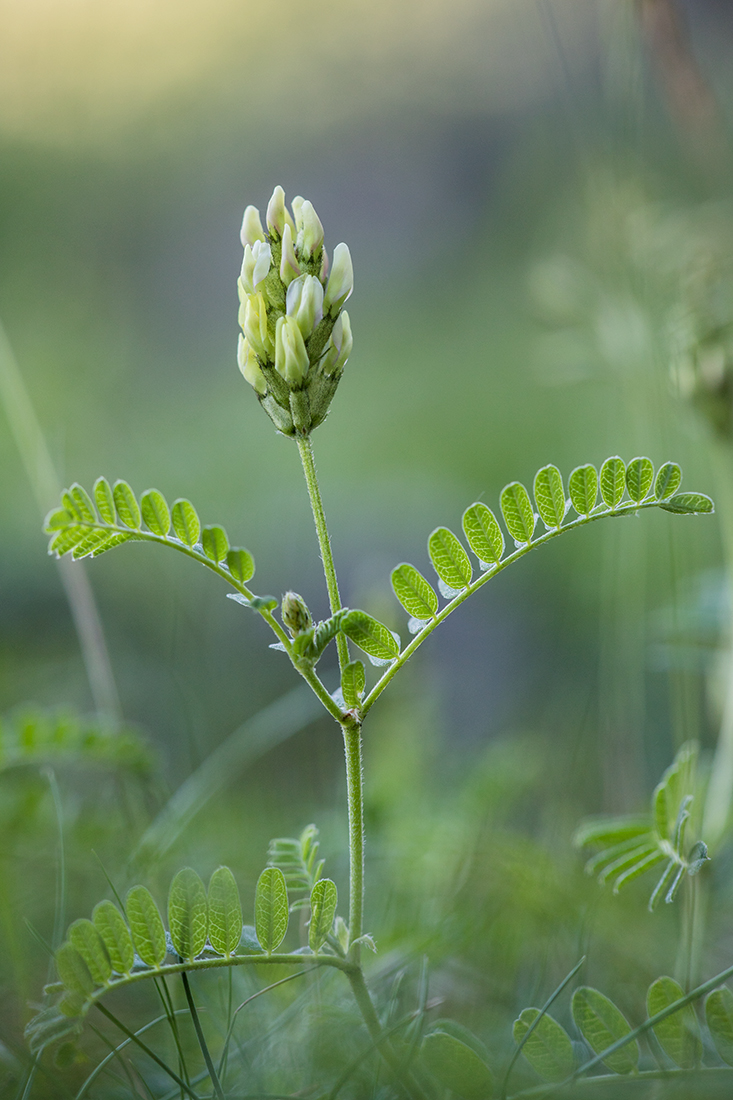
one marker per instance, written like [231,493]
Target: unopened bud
[312,230]
[341,280]
[291,358]
[305,303]
[255,265]
[255,326]
[251,230]
[289,266]
[249,366]
[323,273]
[277,215]
[295,615]
[339,346]
[297,207]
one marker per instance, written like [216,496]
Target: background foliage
[539,224]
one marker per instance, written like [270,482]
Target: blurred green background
[536,197]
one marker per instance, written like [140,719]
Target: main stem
[311,479]
[355,796]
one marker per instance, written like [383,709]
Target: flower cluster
[296,335]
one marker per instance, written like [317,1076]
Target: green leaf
[114,540]
[90,543]
[87,941]
[155,512]
[601,1024]
[549,495]
[73,971]
[186,522]
[613,481]
[450,560]
[370,635]
[548,1049]
[215,543]
[188,913]
[609,830]
[49,1026]
[126,505]
[115,934]
[105,500]
[84,507]
[67,539]
[679,1034]
[719,1016]
[225,912]
[645,864]
[583,489]
[241,565]
[324,899]
[639,477]
[353,682]
[147,928]
[483,532]
[271,909]
[688,504]
[57,519]
[456,1066]
[668,481]
[414,593]
[517,511]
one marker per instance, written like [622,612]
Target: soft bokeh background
[529,189]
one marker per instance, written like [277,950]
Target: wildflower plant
[295,342]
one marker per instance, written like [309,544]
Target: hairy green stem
[378,1035]
[355,795]
[305,447]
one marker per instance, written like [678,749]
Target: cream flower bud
[249,366]
[289,266]
[305,303]
[255,265]
[291,358]
[251,230]
[255,326]
[339,346]
[277,214]
[297,206]
[312,230]
[295,614]
[341,280]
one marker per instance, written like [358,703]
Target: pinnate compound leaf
[678,1034]
[456,1066]
[548,1049]
[583,489]
[186,522]
[353,682]
[67,539]
[688,504]
[84,507]
[668,481]
[127,507]
[87,941]
[105,500]
[516,508]
[549,495]
[450,561]
[115,934]
[414,593]
[147,928]
[613,481]
[719,1016]
[188,913]
[604,831]
[639,477]
[271,909]
[601,1024]
[241,565]
[370,635]
[49,1026]
[114,540]
[91,542]
[215,543]
[155,512]
[73,971]
[324,899]
[225,912]
[483,533]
